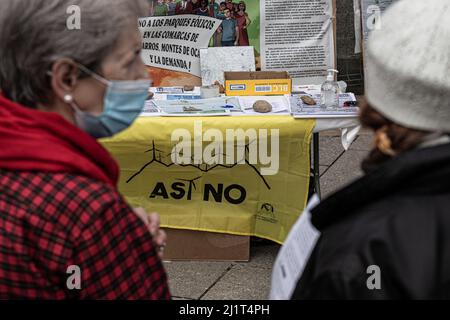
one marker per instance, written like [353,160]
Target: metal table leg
[316,166]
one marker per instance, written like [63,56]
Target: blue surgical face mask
[122,104]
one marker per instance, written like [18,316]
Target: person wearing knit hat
[408,65]
[387,235]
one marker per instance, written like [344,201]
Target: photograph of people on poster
[247,33]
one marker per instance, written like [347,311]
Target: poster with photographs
[241,14]
[295,36]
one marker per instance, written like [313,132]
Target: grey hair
[34,35]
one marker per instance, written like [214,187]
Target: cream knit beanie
[408,65]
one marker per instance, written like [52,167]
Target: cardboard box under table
[206,246]
[211,210]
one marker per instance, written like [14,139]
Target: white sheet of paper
[215,61]
[294,254]
[279,103]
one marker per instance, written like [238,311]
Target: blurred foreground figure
[387,235]
[65,232]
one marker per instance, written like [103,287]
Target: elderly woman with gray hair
[65,232]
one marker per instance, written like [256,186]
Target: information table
[241,175]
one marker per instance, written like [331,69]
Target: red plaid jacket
[49,222]
[64,211]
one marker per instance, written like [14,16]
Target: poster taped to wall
[297,36]
[287,35]
[371,15]
[174,43]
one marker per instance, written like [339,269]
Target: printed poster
[295,36]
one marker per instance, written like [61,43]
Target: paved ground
[251,280]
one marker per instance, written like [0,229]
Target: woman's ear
[64,77]
[383,143]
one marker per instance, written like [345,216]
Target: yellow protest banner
[243,175]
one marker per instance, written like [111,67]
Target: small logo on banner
[266,213]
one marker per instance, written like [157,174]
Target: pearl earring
[68,98]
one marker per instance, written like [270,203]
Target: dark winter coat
[397,219]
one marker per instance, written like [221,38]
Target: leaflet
[347,107]
[198,107]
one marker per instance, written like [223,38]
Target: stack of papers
[280,104]
[193,107]
[301,110]
[174,101]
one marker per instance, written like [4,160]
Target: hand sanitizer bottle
[330,91]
